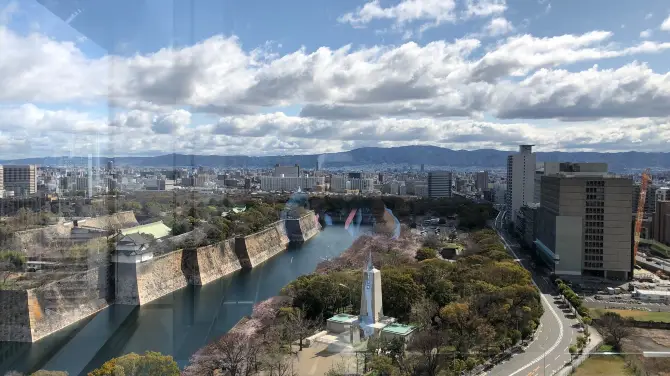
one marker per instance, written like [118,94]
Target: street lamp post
[351,298]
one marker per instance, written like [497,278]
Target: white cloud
[646,34]
[499,26]
[37,68]
[436,92]
[437,11]
[628,92]
[484,8]
[648,16]
[665,26]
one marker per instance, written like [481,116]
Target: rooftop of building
[156,229]
[654,292]
[343,318]
[585,175]
[400,329]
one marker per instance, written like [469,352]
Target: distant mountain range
[413,155]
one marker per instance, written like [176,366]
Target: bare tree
[615,328]
[277,360]
[427,349]
[297,326]
[424,313]
[234,354]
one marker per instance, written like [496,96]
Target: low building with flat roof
[156,229]
[397,330]
[652,295]
[341,322]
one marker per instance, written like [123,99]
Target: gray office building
[286,171]
[439,184]
[20,179]
[482,181]
[584,224]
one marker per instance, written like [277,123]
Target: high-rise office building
[439,184]
[482,181]
[650,198]
[584,224]
[661,222]
[20,179]
[286,171]
[662,194]
[579,168]
[520,180]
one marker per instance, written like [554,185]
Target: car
[580,329]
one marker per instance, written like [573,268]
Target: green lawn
[637,315]
[603,365]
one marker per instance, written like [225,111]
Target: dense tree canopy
[482,303]
[149,364]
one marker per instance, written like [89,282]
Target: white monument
[371,315]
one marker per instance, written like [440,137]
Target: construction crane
[646,179]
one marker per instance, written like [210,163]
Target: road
[548,353]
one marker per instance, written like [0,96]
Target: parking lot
[623,302]
[594,292]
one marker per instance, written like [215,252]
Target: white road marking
[557,357]
[553,312]
[548,365]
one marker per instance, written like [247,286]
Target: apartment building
[290,184]
[520,180]
[584,224]
[439,184]
[20,179]
[286,171]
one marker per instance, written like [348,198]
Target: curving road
[548,353]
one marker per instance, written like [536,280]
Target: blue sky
[263,77]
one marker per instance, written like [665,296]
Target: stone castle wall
[215,261]
[36,313]
[15,320]
[160,276]
[255,249]
[138,284]
[308,227]
[27,316]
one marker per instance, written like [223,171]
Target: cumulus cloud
[665,26]
[344,96]
[630,91]
[499,26]
[646,34]
[437,11]
[484,8]
[438,79]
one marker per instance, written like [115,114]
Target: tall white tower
[371,295]
[90,176]
[520,180]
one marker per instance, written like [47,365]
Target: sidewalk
[592,346]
